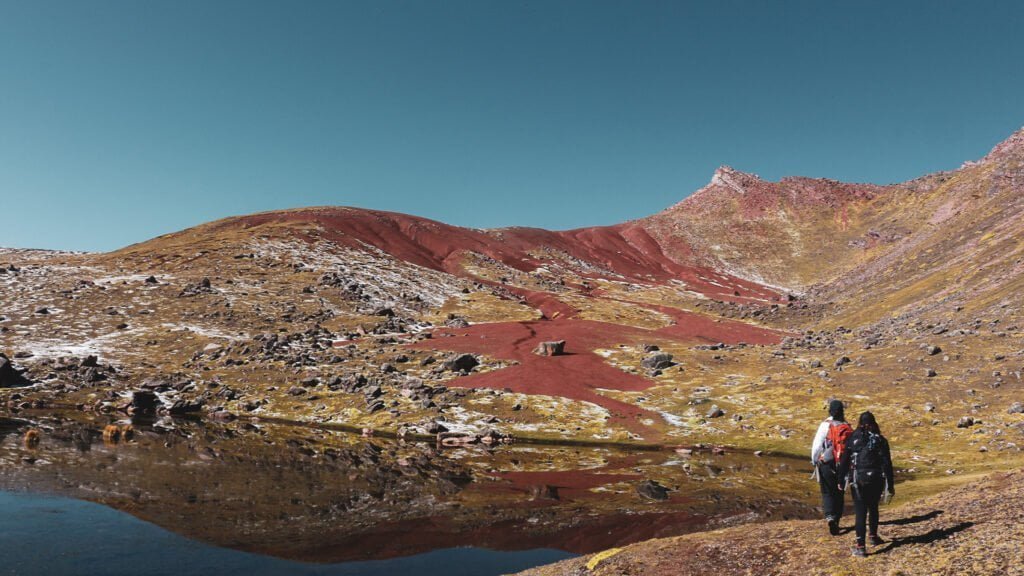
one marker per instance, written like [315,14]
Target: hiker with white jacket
[826,452]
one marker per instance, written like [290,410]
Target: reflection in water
[313,495]
[85,538]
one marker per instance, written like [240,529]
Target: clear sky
[122,120]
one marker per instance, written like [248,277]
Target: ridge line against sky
[122,120]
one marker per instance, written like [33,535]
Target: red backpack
[835,441]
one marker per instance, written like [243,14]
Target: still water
[183,497]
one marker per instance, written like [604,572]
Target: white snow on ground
[383,277]
[674,420]
[207,332]
[57,347]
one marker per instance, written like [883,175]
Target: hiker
[866,466]
[826,450]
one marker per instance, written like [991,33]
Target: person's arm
[887,467]
[819,440]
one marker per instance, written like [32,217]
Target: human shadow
[929,537]
[912,519]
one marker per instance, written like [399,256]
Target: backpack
[835,442]
[869,453]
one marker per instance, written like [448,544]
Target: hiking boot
[833,527]
[876,540]
[859,552]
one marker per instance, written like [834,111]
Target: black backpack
[866,457]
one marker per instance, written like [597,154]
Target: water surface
[260,498]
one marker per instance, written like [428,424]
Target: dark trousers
[865,501]
[831,495]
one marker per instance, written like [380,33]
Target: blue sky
[122,120]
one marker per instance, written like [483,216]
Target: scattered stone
[657,361]
[461,363]
[144,402]
[652,490]
[842,361]
[1016,408]
[930,373]
[553,348]
[965,422]
[715,412]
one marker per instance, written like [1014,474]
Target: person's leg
[831,498]
[839,500]
[860,507]
[873,496]
[827,482]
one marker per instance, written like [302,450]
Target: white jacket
[819,440]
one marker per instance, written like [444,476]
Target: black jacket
[854,444]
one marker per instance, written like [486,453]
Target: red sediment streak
[581,372]
[624,251]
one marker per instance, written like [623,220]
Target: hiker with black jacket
[828,445]
[866,467]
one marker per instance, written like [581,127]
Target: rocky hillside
[728,318]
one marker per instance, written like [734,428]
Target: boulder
[461,363]
[651,490]
[9,376]
[180,406]
[657,361]
[144,402]
[553,348]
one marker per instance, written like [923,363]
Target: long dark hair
[867,422]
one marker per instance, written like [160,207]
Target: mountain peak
[732,179]
[1014,145]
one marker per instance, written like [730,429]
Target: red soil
[623,250]
[578,374]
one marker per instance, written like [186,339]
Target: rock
[657,361]
[648,348]
[461,363]
[842,361]
[1016,408]
[386,312]
[651,490]
[933,350]
[436,428]
[180,406]
[929,407]
[553,348]
[9,375]
[296,391]
[715,412]
[156,385]
[456,322]
[930,373]
[814,364]
[143,402]
[544,492]
[965,422]
[152,280]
